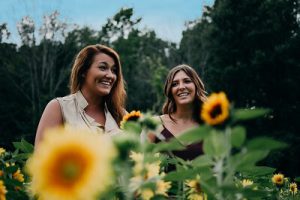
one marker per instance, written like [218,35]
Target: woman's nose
[181,86]
[109,74]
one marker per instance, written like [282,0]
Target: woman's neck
[93,101]
[184,113]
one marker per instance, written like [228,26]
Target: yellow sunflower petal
[18,176]
[3,191]
[246,182]
[2,151]
[162,187]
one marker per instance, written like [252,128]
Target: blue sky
[166,17]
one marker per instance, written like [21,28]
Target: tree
[32,74]
[251,49]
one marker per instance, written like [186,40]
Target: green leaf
[215,144]
[238,136]
[247,114]
[194,135]
[183,174]
[11,169]
[245,160]
[132,127]
[297,179]
[202,161]
[258,171]
[171,145]
[12,183]
[180,175]
[265,143]
[22,156]
[24,146]
[255,194]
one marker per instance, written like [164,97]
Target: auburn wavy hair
[169,106]
[115,101]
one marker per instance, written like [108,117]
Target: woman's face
[101,76]
[183,89]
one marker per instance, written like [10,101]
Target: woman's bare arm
[52,117]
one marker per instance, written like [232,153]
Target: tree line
[249,49]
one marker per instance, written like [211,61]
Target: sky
[166,17]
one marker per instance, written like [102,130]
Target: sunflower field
[81,165]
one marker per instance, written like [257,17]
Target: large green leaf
[258,171]
[202,161]
[181,175]
[194,135]
[133,127]
[184,174]
[171,145]
[238,136]
[215,144]
[265,143]
[247,114]
[243,161]
[22,156]
[24,146]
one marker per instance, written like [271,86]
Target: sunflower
[216,109]
[1,173]
[18,176]
[278,179]
[2,151]
[195,191]
[132,116]
[71,164]
[3,191]
[246,182]
[293,188]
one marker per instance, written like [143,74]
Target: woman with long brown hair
[185,94]
[97,96]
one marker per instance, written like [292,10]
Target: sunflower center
[216,111]
[198,187]
[279,179]
[133,118]
[70,170]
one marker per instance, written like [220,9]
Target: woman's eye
[114,70]
[102,67]
[173,84]
[188,81]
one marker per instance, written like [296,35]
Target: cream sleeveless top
[72,108]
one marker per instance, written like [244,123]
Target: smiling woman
[97,94]
[185,94]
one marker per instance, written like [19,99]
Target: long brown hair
[115,101]
[170,105]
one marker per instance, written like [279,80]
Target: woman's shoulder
[69,97]
[53,104]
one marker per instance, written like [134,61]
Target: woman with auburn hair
[97,96]
[185,94]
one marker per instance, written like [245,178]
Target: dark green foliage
[250,50]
